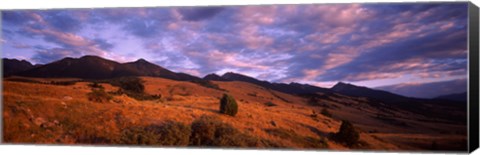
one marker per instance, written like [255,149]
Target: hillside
[461,97]
[51,114]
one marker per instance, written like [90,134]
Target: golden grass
[53,114]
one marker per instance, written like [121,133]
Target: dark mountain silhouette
[353,90]
[395,101]
[88,67]
[292,88]
[214,77]
[94,67]
[462,97]
[13,66]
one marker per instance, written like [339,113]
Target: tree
[228,105]
[347,134]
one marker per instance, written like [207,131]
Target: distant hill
[13,66]
[292,88]
[353,90]
[214,77]
[454,97]
[391,100]
[94,67]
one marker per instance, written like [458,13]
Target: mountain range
[94,67]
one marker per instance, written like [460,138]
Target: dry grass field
[46,113]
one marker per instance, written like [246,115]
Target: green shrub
[347,134]
[63,83]
[96,85]
[325,112]
[133,87]
[313,101]
[314,114]
[172,133]
[130,84]
[99,95]
[168,134]
[228,105]
[270,104]
[210,131]
[138,136]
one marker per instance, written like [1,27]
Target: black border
[473,93]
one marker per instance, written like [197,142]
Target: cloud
[317,44]
[199,13]
[63,21]
[21,45]
[103,44]
[46,56]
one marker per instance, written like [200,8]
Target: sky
[398,47]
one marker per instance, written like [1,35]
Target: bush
[130,84]
[209,131]
[133,87]
[63,83]
[347,134]
[172,133]
[228,105]
[314,114]
[99,95]
[96,85]
[168,134]
[270,104]
[138,136]
[325,112]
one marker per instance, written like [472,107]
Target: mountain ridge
[13,66]
[95,67]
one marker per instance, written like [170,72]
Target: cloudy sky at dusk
[394,47]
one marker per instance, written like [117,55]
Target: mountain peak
[233,74]
[343,85]
[141,60]
[214,77]
[89,57]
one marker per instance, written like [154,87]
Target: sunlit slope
[48,114]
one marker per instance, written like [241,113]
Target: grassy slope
[41,113]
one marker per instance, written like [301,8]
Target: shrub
[99,95]
[209,131]
[168,134]
[347,134]
[313,101]
[133,87]
[96,85]
[131,84]
[228,105]
[172,133]
[314,114]
[325,112]
[138,136]
[63,83]
[270,104]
